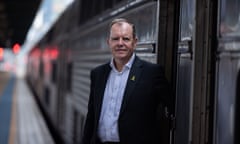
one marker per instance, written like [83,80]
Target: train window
[98,7]
[229,17]
[69,76]
[84,14]
[108,4]
[41,69]
[187,18]
[91,8]
[49,36]
[46,96]
[54,72]
[117,1]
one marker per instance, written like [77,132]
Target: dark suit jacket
[146,87]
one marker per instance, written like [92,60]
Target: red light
[54,53]
[16,48]
[1,53]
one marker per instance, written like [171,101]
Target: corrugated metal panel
[83,63]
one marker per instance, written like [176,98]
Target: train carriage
[196,41]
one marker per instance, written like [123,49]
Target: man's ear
[135,42]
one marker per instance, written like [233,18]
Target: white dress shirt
[113,95]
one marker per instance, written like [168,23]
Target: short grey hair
[123,20]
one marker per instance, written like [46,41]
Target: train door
[226,128]
[184,71]
[166,49]
[195,72]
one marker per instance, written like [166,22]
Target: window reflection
[229,18]
[187,17]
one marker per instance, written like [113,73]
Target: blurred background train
[197,41]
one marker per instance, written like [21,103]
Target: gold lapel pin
[133,78]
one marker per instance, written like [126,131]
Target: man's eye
[126,39]
[123,39]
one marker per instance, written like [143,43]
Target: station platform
[21,121]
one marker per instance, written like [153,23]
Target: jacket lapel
[133,79]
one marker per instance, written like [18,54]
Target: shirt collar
[128,64]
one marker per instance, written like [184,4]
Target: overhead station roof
[16,17]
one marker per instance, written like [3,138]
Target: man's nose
[120,41]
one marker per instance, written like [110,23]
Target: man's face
[121,41]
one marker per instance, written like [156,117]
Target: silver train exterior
[196,41]
[59,69]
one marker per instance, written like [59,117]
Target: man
[124,94]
